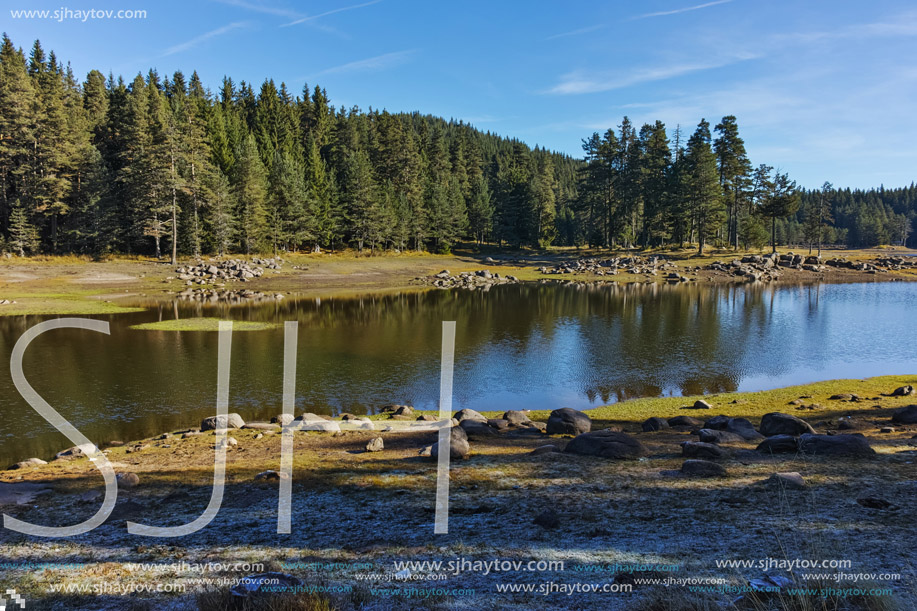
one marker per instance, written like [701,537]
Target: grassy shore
[81,286]
[354,509]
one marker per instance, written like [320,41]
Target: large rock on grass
[477,430]
[29,462]
[717,423]
[469,414]
[905,415]
[685,421]
[779,444]
[654,424]
[699,449]
[606,444]
[314,422]
[835,445]
[744,429]
[776,423]
[790,480]
[567,421]
[702,468]
[714,436]
[229,421]
[459,448]
[516,417]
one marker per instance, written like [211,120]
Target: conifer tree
[17,104]
[818,216]
[360,199]
[545,230]
[734,169]
[221,214]
[705,197]
[480,210]
[23,235]
[655,183]
[780,202]
[250,195]
[48,185]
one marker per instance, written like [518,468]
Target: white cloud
[904,25]
[259,7]
[591,28]
[309,18]
[190,44]
[579,82]
[681,10]
[379,62]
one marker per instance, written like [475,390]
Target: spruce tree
[705,197]
[17,101]
[734,169]
[250,192]
[480,210]
[324,216]
[23,235]
[545,231]
[655,183]
[818,216]
[780,202]
[360,199]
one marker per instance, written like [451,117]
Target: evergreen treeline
[162,165]
[855,218]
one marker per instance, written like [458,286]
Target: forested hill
[162,165]
[862,218]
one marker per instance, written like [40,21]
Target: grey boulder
[776,423]
[567,421]
[469,414]
[606,444]
[229,421]
[779,444]
[702,468]
[654,424]
[516,417]
[715,436]
[905,415]
[685,421]
[459,448]
[699,449]
[835,445]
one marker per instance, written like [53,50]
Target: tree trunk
[774,234]
[174,216]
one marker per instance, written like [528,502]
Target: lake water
[538,346]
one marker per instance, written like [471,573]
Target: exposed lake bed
[627,352]
[606,512]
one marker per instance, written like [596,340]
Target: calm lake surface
[538,346]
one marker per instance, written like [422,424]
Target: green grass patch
[203,324]
[59,306]
[753,405]
[750,405]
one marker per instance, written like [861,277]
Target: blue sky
[825,90]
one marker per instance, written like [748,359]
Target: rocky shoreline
[480,279]
[565,485]
[778,433]
[771,267]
